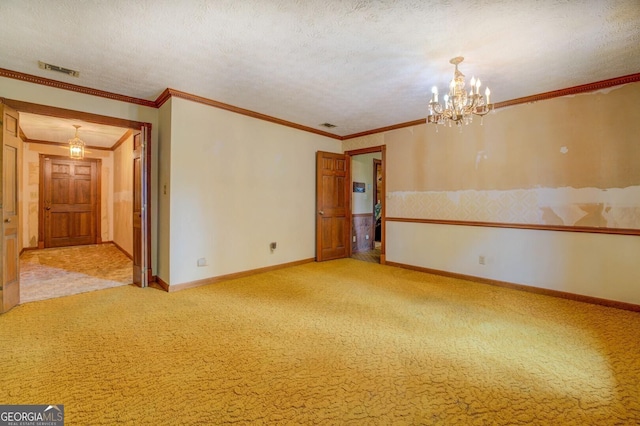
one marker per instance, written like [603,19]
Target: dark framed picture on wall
[358,186]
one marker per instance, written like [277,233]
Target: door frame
[144,127]
[376,162]
[41,200]
[382,149]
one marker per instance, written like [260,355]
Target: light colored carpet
[340,342]
[63,271]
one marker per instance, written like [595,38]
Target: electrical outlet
[354,238]
[202,262]
[481,260]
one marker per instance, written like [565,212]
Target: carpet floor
[340,342]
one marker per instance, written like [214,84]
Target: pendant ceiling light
[76,146]
[459,105]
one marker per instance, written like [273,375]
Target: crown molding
[590,87]
[168,93]
[385,129]
[51,111]
[74,87]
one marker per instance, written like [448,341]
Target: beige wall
[566,161]
[39,94]
[237,184]
[570,161]
[164,181]
[30,189]
[123,195]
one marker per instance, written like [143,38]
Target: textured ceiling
[51,129]
[358,64]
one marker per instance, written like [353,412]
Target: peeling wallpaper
[612,208]
[572,161]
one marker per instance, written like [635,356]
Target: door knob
[47,208]
[7,220]
[321,212]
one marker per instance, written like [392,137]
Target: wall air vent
[328,125]
[50,67]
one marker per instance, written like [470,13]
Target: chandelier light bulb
[76,146]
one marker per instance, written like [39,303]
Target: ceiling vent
[328,125]
[50,67]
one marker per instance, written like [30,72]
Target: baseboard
[530,289]
[27,249]
[161,284]
[206,281]
[119,248]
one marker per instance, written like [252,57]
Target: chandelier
[76,146]
[459,106]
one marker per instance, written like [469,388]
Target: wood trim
[27,140]
[590,87]
[219,278]
[41,159]
[122,140]
[521,287]
[383,225]
[51,111]
[148,145]
[168,93]
[199,99]
[386,128]
[383,150]
[376,162]
[99,199]
[74,88]
[163,285]
[164,97]
[119,248]
[616,231]
[361,151]
[27,249]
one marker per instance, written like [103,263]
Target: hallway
[57,272]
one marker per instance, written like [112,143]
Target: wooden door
[333,202]
[69,200]
[10,285]
[137,210]
[141,202]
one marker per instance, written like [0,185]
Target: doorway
[367,203]
[80,225]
